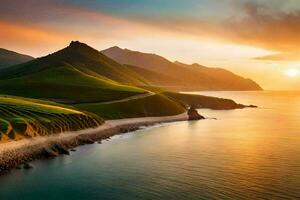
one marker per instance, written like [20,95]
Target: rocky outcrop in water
[60,149]
[48,153]
[27,166]
[193,114]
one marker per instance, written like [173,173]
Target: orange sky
[251,38]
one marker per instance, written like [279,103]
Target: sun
[292,72]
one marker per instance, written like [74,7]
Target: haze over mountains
[8,58]
[178,76]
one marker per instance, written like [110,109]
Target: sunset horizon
[149,99]
[236,35]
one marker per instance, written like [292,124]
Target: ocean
[242,154]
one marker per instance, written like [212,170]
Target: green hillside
[65,84]
[75,74]
[21,118]
[76,87]
[81,57]
[155,105]
[201,101]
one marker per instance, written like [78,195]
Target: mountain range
[163,73]
[135,68]
[84,77]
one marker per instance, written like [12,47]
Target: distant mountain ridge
[9,58]
[223,76]
[179,76]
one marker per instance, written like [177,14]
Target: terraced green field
[22,118]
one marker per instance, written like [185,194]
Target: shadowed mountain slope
[77,73]
[81,57]
[222,78]
[178,76]
[8,58]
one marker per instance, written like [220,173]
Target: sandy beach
[15,153]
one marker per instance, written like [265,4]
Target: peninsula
[77,96]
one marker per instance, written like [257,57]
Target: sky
[258,39]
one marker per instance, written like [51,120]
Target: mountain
[77,73]
[83,58]
[8,58]
[77,87]
[83,77]
[178,76]
[223,78]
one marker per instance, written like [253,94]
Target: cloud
[47,26]
[265,27]
[275,27]
[289,56]
[270,29]
[19,37]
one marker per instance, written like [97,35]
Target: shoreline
[16,153]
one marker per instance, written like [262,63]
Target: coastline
[15,153]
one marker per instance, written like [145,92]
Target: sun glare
[292,72]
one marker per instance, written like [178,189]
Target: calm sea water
[245,154]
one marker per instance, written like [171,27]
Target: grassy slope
[81,76]
[201,101]
[156,105]
[66,84]
[81,57]
[20,117]
[77,73]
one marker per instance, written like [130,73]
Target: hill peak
[77,48]
[116,48]
[195,65]
[177,62]
[77,44]
[77,57]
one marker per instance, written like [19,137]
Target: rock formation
[193,114]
